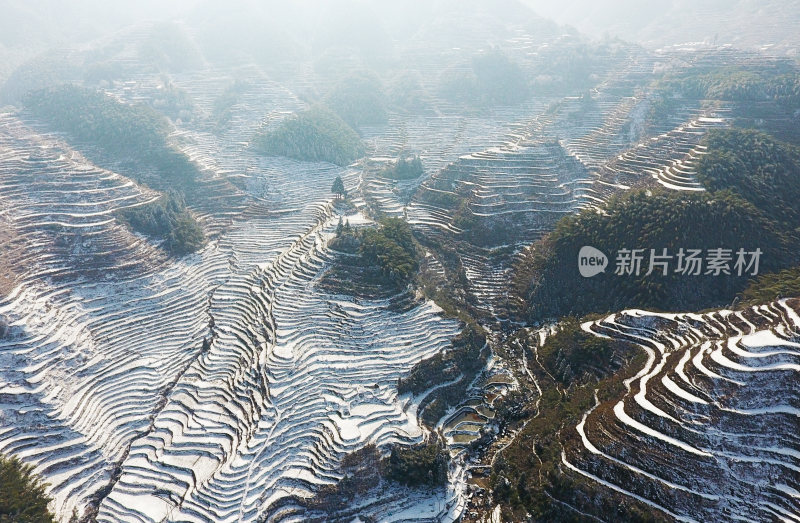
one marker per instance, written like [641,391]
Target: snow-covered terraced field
[715,406]
[668,158]
[514,190]
[292,379]
[526,180]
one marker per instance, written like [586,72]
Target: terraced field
[715,406]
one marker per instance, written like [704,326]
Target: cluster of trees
[22,495]
[167,218]
[392,247]
[133,133]
[757,168]
[404,169]
[764,171]
[385,261]
[424,464]
[338,189]
[93,116]
[551,287]
[315,135]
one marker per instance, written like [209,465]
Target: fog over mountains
[742,23]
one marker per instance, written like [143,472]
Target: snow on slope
[716,407]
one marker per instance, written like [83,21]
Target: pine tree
[338,187]
[22,495]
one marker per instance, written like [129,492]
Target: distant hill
[40,72]
[48,22]
[359,100]
[491,79]
[742,23]
[170,48]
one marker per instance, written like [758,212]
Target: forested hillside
[316,135]
[550,285]
[116,132]
[756,167]
[751,203]
[734,83]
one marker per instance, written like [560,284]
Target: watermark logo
[686,262]
[591,261]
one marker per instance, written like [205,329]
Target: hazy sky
[747,23]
